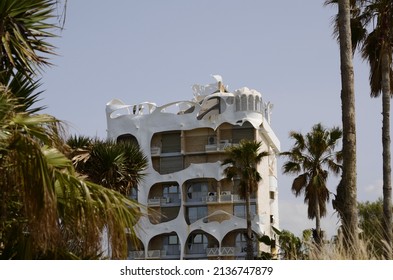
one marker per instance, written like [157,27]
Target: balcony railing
[225,196]
[220,146]
[168,251]
[136,255]
[155,151]
[162,201]
[223,251]
[156,201]
[155,254]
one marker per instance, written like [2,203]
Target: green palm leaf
[24,29]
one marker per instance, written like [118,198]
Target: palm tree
[44,200]
[24,30]
[377,48]
[241,162]
[346,199]
[309,156]
[47,209]
[117,166]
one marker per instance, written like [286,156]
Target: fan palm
[308,157]
[346,201]
[241,162]
[378,50]
[372,27]
[117,166]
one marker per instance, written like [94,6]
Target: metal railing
[223,251]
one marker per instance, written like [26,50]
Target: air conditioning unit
[211,140]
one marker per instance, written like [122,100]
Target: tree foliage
[370,221]
[241,162]
[117,166]
[312,156]
[371,23]
[48,210]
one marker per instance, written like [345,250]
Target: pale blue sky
[155,50]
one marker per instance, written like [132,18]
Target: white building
[193,211]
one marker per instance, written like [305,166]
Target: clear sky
[155,50]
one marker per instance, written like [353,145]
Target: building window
[173,240]
[171,193]
[172,244]
[197,191]
[271,194]
[246,131]
[171,142]
[197,243]
[171,164]
[196,213]
[238,189]
[241,242]
[240,211]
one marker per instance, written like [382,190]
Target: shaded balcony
[197,245]
[164,202]
[164,246]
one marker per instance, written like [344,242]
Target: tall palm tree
[377,48]
[346,199]
[241,162]
[309,157]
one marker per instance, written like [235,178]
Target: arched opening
[237,103]
[198,243]
[127,138]
[166,246]
[164,202]
[250,103]
[243,102]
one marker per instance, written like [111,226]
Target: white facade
[193,212]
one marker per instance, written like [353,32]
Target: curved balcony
[164,202]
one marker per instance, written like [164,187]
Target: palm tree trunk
[317,236]
[250,248]
[387,183]
[346,200]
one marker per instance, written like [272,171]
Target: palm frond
[25,90]
[299,184]
[25,26]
